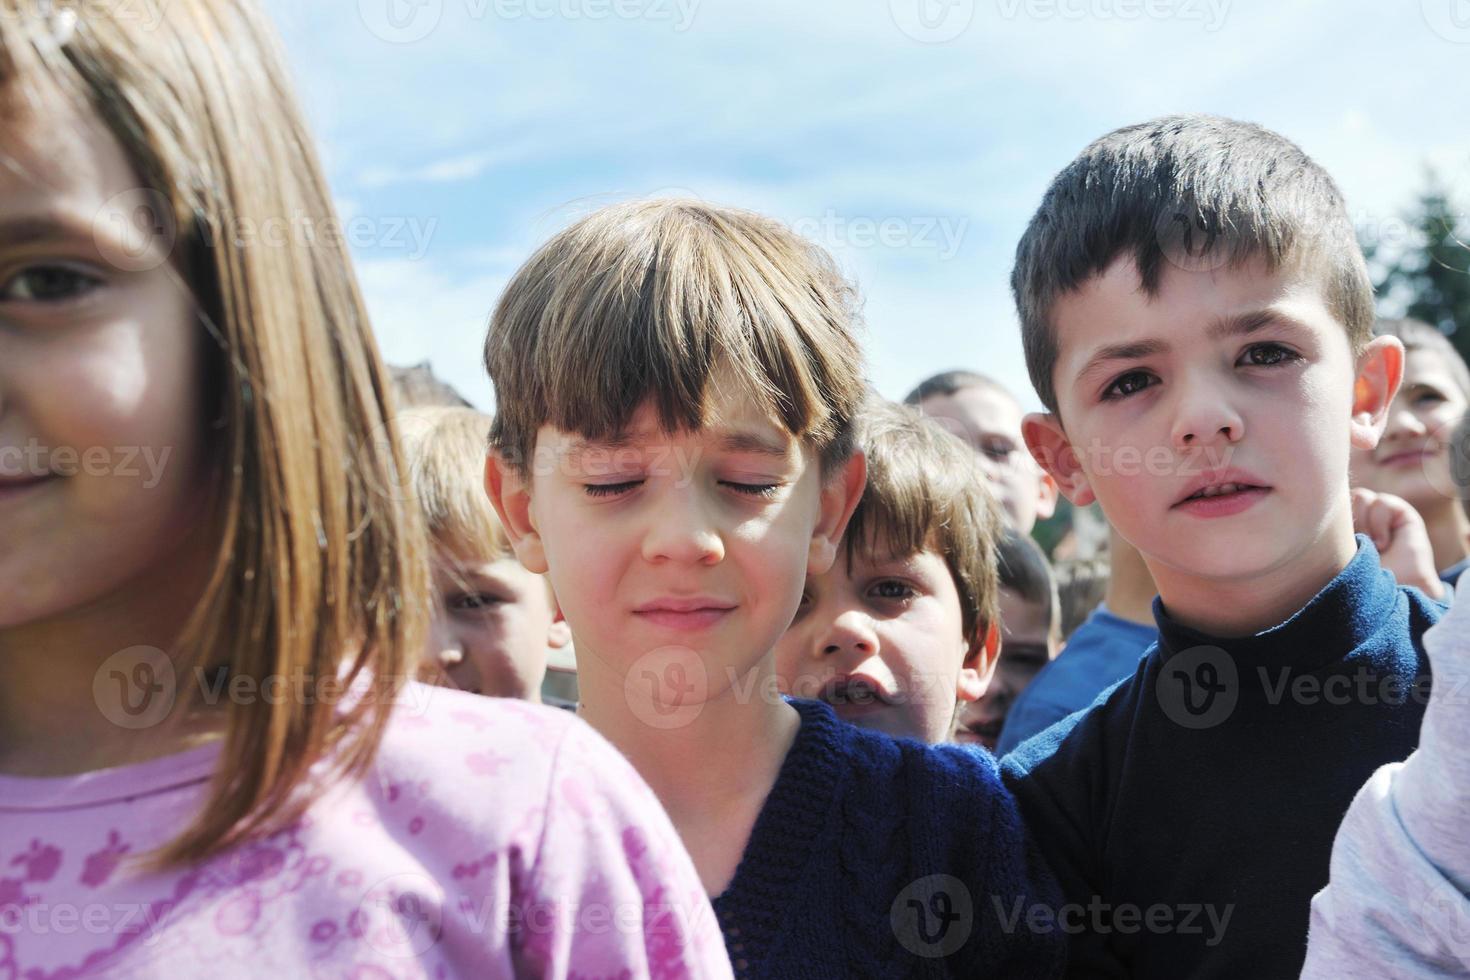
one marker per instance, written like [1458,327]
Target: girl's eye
[893,589]
[754,489]
[47,284]
[1429,398]
[610,489]
[473,602]
[1269,355]
[1128,384]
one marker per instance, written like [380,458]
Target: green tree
[1429,277]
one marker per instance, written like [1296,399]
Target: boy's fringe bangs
[654,304]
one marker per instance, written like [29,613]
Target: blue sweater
[1189,813]
[880,857]
[1099,653]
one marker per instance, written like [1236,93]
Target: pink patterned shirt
[491,838]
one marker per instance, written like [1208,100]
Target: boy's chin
[878,717]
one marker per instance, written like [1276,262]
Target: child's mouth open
[1223,495]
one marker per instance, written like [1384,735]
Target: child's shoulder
[877,763]
[482,758]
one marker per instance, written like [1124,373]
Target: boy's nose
[682,532]
[850,633]
[1204,419]
[1404,422]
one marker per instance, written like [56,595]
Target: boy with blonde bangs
[1197,320]
[677,384]
[495,624]
[902,628]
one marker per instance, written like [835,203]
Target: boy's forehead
[976,410]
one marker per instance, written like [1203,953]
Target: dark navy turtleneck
[1189,812]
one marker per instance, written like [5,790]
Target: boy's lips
[1222,494]
[856,694]
[685,612]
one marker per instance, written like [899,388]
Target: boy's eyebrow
[1245,324]
[734,441]
[1121,352]
[752,442]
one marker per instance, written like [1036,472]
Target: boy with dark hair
[903,627]
[1197,319]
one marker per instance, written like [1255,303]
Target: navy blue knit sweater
[1189,813]
[880,857]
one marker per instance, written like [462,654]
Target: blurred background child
[988,417]
[1412,460]
[1103,650]
[495,624]
[1031,637]
[901,628]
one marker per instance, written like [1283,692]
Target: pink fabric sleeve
[610,891]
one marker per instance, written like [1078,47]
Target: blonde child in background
[210,749]
[495,624]
[1031,637]
[903,627]
[674,446]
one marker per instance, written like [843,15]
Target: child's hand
[1402,540]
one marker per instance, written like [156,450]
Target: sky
[913,138]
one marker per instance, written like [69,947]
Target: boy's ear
[841,492]
[510,495]
[979,665]
[1380,371]
[1053,452]
[559,634]
[1047,493]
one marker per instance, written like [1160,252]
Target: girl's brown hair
[317,544]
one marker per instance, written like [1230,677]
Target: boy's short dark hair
[948,382]
[1024,570]
[649,301]
[1195,190]
[926,492]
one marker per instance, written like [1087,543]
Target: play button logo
[401,21]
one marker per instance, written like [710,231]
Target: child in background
[1412,460]
[1197,318]
[1103,650]
[674,446]
[1031,631]
[494,622]
[902,627]
[987,417]
[208,741]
